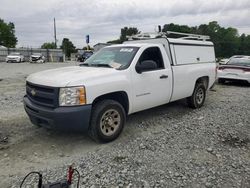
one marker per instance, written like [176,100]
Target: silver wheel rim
[199,96]
[110,122]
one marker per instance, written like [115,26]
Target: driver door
[152,87]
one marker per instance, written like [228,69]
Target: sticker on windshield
[126,50]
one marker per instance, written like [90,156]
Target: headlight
[72,96]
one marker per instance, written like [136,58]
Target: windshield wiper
[84,64]
[101,65]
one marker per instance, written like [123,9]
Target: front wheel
[107,121]
[198,97]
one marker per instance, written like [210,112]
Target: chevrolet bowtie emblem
[33,92]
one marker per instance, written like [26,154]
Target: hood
[13,56]
[66,76]
[36,56]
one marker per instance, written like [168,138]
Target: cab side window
[154,54]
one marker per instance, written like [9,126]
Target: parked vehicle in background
[223,61]
[120,80]
[84,56]
[37,58]
[15,57]
[237,68]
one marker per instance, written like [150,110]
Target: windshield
[114,57]
[239,61]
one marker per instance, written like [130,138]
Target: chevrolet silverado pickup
[119,80]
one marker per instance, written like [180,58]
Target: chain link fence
[51,55]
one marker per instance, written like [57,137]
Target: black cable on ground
[39,181]
[78,181]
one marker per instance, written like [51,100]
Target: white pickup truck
[120,80]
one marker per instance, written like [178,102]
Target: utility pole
[55,31]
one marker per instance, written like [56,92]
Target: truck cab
[120,80]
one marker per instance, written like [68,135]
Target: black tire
[198,97]
[221,81]
[107,121]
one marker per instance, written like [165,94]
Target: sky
[103,19]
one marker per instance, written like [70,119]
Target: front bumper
[13,60]
[62,118]
[36,60]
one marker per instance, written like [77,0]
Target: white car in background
[15,57]
[37,58]
[237,68]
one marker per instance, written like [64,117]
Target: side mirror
[145,66]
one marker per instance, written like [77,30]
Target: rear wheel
[221,81]
[198,97]
[107,121]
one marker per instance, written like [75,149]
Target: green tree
[244,45]
[48,45]
[7,34]
[68,47]
[178,28]
[127,31]
[226,40]
[228,43]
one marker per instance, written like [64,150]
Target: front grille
[35,58]
[42,95]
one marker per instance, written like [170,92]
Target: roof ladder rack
[141,36]
[153,35]
[189,35]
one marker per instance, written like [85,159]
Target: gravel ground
[168,146]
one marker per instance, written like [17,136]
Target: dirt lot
[168,146]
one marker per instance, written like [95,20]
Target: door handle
[163,76]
